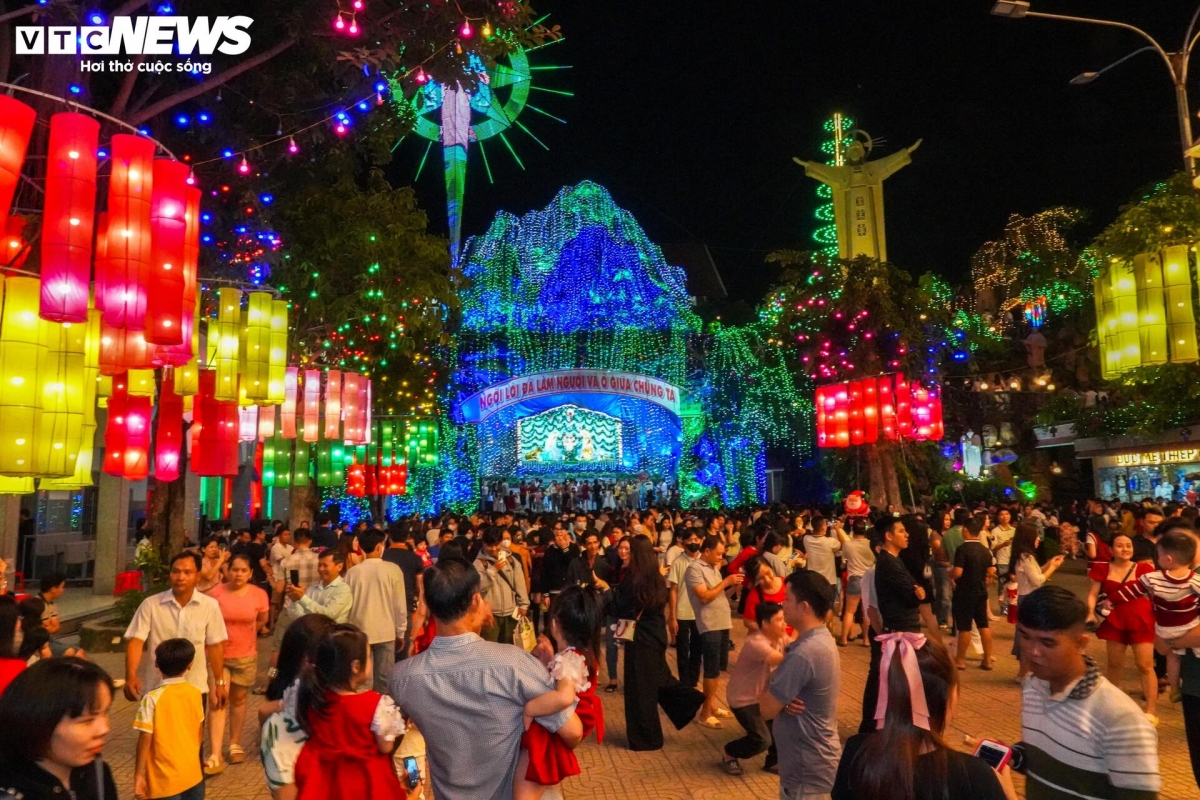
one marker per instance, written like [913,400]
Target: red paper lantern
[127,261]
[356,481]
[14,249]
[166,298]
[822,400]
[68,217]
[16,123]
[858,433]
[870,393]
[887,408]
[168,438]
[397,479]
[215,452]
[903,399]
[841,415]
[122,350]
[127,433]
[287,412]
[312,404]
[333,404]
[179,355]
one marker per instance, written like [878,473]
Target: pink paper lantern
[166,300]
[127,261]
[68,217]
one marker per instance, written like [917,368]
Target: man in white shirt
[281,548]
[331,596]
[181,612]
[681,619]
[379,607]
[821,548]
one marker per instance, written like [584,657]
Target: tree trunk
[877,488]
[892,479]
[303,504]
[165,516]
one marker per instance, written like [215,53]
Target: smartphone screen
[295,577]
[991,753]
[413,772]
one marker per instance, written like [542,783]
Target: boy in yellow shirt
[170,725]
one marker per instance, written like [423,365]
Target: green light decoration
[457,117]
[421,443]
[277,462]
[838,128]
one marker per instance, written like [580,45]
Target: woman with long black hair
[641,597]
[906,757]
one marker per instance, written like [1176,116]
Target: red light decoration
[127,261]
[333,404]
[215,454]
[166,299]
[14,250]
[127,433]
[356,480]
[168,437]
[16,123]
[888,407]
[68,217]
[122,350]
[287,412]
[312,405]
[180,354]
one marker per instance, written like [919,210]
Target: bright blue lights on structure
[227,153]
[96,18]
[363,106]
[182,120]
[75,88]
[101,153]
[204,117]
[165,8]
[144,131]
[266,199]
[206,217]
[381,86]
[207,238]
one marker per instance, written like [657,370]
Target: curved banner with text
[483,404]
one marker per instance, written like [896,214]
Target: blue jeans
[383,658]
[194,793]
[941,582]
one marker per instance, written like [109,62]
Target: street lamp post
[1177,63]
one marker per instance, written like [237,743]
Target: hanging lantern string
[290,134]
[89,110]
[244,285]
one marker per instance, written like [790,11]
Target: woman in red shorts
[1127,624]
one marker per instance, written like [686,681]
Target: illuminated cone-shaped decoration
[168,439]
[301,466]
[333,404]
[257,370]
[23,350]
[165,285]
[277,357]
[224,344]
[351,430]
[82,461]
[127,259]
[60,435]
[216,447]
[287,412]
[16,123]
[247,423]
[69,217]
[14,248]
[312,406]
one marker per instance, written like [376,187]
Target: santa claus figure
[856,504]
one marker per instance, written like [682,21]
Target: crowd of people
[540,496]
[466,652]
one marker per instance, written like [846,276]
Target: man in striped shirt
[1082,737]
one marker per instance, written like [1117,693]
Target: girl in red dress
[576,620]
[351,734]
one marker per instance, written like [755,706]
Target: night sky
[690,113]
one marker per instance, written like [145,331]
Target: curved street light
[1177,64]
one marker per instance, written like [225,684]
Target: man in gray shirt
[467,696]
[706,592]
[805,686]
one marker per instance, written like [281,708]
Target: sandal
[724,714]
[711,722]
[612,687]
[236,754]
[731,767]
[214,765]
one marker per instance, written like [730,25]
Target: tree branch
[127,81]
[126,7]
[211,83]
[20,12]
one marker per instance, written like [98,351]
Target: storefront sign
[1153,457]
[482,405]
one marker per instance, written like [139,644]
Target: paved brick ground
[688,765]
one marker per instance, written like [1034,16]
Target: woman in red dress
[1128,624]
[351,734]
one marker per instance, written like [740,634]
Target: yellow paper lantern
[1125,313]
[23,354]
[224,345]
[277,358]
[16,485]
[82,475]
[60,434]
[141,383]
[1152,319]
[1181,313]
[187,377]
[104,390]
[256,374]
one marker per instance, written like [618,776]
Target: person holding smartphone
[906,757]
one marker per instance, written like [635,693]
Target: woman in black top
[53,723]
[907,759]
[642,596]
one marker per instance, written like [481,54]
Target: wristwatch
[221,682]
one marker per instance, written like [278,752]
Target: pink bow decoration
[908,644]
